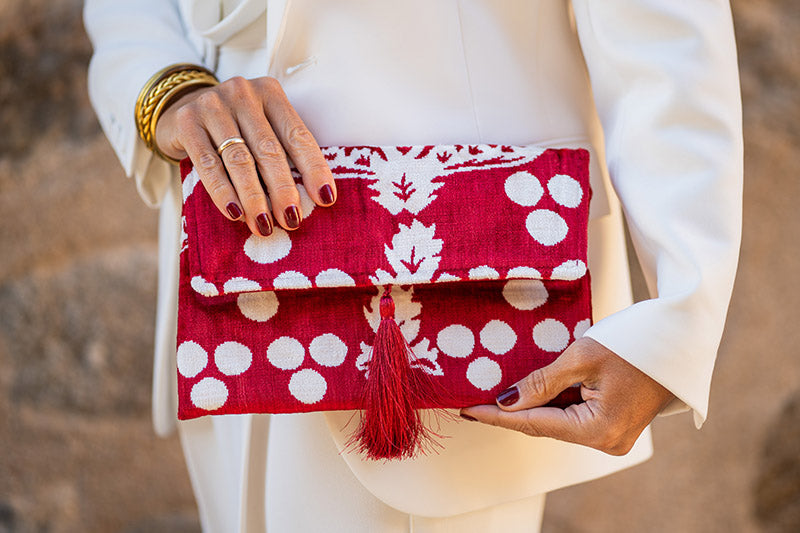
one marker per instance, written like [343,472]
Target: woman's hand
[619,400]
[259,112]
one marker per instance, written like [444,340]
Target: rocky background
[77,295]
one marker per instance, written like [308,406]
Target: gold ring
[229,142]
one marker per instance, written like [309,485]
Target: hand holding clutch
[239,134]
[619,400]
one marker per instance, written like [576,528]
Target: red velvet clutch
[441,275]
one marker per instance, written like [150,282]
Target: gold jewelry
[159,91]
[229,142]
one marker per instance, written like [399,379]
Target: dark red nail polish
[233,210]
[467,417]
[326,194]
[509,396]
[292,216]
[264,224]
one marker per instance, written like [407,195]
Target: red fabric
[483,248]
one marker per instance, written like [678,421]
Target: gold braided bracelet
[161,89]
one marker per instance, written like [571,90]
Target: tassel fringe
[391,423]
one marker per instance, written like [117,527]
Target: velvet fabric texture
[481,247]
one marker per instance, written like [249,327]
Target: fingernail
[326,194]
[264,224]
[292,216]
[509,396]
[467,417]
[233,210]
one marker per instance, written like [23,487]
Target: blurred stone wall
[77,294]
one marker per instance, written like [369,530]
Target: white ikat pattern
[230,358]
[307,385]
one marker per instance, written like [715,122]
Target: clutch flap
[406,215]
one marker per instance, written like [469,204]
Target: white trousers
[283,474]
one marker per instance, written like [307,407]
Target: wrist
[160,91]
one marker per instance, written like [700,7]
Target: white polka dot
[483,272]
[234,285]
[203,287]
[456,341]
[232,358]
[484,373]
[291,279]
[268,249]
[524,272]
[546,226]
[209,394]
[551,335]
[565,190]
[333,277]
[308,386]
[569,270]
[525,294]
[192,358]
[285,353]
[581,328]
[258,306]
[444,276]
[498,337]
[306,203]
[524,188]
[328,350]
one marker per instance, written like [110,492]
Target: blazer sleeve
[666,87]
[132,40]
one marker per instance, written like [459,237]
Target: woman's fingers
[298,142]
[213,111]
[267,153]
[195,141]
[258,112]
[242,171]
[544,384]
[271,161]
[585,423]
[573,424]
[619,401]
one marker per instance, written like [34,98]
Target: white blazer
[664,97]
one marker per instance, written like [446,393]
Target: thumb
[542,385]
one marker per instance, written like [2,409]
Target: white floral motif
[189,183]
[406,311]
[409,173]
[414,255]
[412,191]
[184,235]
[427,358]
[406,316]
[362,361]
[403,186]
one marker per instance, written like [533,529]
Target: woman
[664,97]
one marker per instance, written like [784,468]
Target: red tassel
[391,424]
